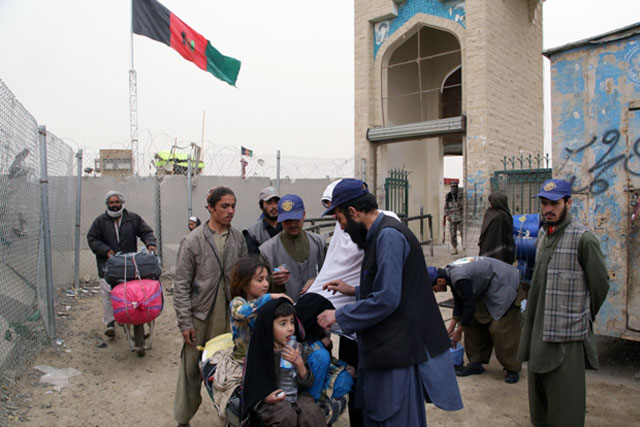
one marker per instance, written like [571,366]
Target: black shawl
[308,307]
[496,235]
[259,375]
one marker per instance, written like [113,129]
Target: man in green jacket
[569,284]
[201,293]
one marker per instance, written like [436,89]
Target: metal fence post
[189,185]
[46,231]
[76,267]
[278,171]
[158,219]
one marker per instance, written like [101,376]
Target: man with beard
[568,286]
[454,211]
[268,226]
[295,255]
[403,345]
[202,294]
[116,230]
[342,264]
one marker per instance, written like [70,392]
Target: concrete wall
[501,44]
[595,92]
[163,204]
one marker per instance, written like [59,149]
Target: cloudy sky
[67,61]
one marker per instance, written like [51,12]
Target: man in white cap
[268,226]
[116,230]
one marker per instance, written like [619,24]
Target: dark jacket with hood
[496,236]
[102,236]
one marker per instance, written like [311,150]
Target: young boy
[262,395]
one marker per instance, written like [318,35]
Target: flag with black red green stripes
[152,19]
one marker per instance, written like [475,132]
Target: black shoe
[111,330]
[474,368]
[511,377]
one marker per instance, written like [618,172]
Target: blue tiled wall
[447,9]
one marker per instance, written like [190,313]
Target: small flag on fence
[152,19]
[246,152]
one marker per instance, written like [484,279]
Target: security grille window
[423,79]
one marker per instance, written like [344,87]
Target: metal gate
[520,179]
[396,192]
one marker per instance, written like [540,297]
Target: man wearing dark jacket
[486,308]
[116,230]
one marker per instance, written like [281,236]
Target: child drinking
[262,396]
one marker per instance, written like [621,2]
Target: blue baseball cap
[555,189]
[433,275]
[348,189]
[290,206]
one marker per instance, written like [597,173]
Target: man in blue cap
[403,345]
[295,255]
[569,284]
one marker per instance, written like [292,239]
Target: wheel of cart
[139,340]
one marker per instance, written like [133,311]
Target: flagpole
[133,104]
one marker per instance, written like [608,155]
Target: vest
[259,232]
[400,339]
[276,254]
[567,309]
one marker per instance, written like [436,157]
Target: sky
[67,61]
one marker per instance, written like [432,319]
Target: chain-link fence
[24,307]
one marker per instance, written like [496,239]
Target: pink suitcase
[137,301]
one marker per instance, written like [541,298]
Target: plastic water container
[457,354]
[288,382]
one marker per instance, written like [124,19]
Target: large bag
[125,267]
[137,302]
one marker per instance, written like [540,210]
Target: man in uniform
[295,255]
[116,230]
[402,342]
[268,226]
[487,309]
[201,293]
[569,284]
[454,211]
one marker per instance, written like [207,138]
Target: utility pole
[133,106]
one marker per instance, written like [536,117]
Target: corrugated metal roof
[611,36]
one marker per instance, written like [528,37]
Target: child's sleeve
[307,381]
[241,309]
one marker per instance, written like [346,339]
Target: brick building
[437,78]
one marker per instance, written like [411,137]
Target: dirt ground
[119,388]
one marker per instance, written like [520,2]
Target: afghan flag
[151,19]
[246,152]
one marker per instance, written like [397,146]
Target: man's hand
[327,318]
[189,336]
[306,286]
[339,286]
[151,249]
[456,336]
[452,326]
[110,253]
[280,276]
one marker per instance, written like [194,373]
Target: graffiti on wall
[606,162]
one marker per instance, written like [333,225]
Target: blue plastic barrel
[526,225]
[526,247]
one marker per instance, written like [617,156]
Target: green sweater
[543,357]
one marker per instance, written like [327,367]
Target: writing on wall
[605,162]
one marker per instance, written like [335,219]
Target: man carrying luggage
[116,230]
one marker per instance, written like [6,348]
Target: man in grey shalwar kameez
[402,342]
